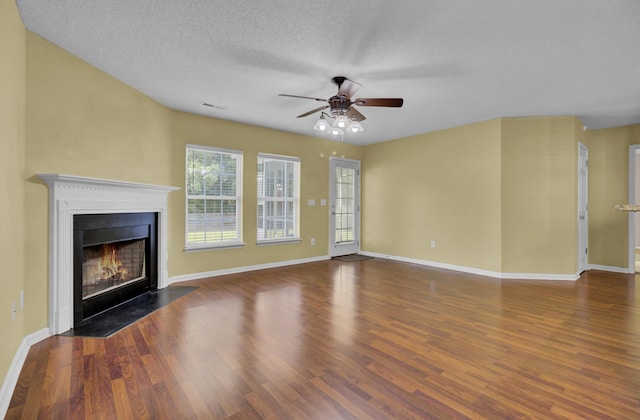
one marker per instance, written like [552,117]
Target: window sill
[213,247]
[279,241]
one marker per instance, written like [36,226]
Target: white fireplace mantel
[71,195]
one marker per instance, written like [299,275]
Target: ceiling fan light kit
[342,108]
[341,121]
[355,127]
[321,124]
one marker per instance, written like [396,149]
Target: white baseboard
[11,380]
[538,276]
[609,268]
[478,271]
[235,270]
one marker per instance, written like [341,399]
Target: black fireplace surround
[92,231]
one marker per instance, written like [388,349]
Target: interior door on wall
[344,199]
[634,198]
[583,226]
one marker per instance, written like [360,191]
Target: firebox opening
[111,265]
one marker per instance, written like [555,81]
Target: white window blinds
[278,198]
[213,197]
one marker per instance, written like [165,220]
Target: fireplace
[114,258]
[71,196]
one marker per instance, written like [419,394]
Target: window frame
[295,200]
[238,197]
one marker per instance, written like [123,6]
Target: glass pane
[208,174]
[108,266]
[195,172]
[345,193]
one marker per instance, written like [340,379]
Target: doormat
[352,258]
[113,320]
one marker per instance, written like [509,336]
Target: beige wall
[12,140]
[442,186]
[80,121]
[499,195]
[539,195]
[608,186]
[251,140]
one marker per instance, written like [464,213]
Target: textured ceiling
[453,62]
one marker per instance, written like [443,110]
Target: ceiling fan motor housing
[339,105]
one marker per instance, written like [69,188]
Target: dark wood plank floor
[370,339]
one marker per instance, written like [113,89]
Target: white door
[344,207]
[634,198]
[583,208]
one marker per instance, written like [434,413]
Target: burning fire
[110,266]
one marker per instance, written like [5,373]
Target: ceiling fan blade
[313,111]
[393,102]
[348,88]
[354,114]
[303,97]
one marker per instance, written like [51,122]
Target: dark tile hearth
[111,321]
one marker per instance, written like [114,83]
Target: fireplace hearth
[115,260]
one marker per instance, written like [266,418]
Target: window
[278,198]
[214,197]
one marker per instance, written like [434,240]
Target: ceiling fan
[342,107]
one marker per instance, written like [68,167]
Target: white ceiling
[453,62]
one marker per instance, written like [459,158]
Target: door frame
[583,209]
[634,149]
[355,164]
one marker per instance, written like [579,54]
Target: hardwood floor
[370,339]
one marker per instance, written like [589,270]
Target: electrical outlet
[21,299]
[313,241]
[13,311]
[433,244]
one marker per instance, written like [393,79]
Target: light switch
[311,202]
[323,202]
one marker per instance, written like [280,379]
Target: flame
[110,266]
